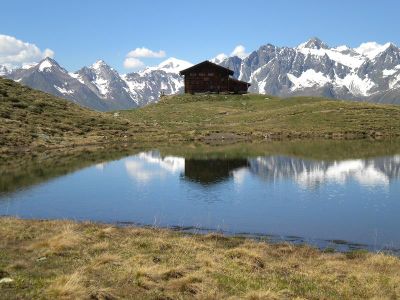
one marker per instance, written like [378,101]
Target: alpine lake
[343,195]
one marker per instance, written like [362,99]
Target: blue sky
[80,32]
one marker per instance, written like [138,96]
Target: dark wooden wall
[236,86]
[206,79]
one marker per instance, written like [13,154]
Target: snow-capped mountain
[370,72]
[107,84]
[101,87]
[147,85]
[50,77]
[171,65]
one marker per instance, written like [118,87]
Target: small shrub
[36,109]
[20,105]
[13,99]
[5,114]
[41,103]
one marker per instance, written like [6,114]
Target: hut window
[201,74]
[192,74]
[210,74]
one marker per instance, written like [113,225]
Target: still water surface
[342,204]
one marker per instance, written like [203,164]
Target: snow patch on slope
[308,78]
[102,85]
[387,72]
[77,77]
[171,65]
[395,82]
[45,66]
[100,81]
[63,90]
[133,85]
[336,54]
[356,85]
[27,66]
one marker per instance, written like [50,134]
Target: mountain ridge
[101,87]
[315,69]
[370,72]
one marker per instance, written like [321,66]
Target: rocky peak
[47,65]
[314,43]
[101,65]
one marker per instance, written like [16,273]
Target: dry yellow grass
[67,260]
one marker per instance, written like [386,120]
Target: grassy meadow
[260,117]
[31,120]
[68,260]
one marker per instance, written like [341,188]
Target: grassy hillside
[30,118]
[259,116]
[67,260]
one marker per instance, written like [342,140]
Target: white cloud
[239,51]
[15,53]
[133,63]
[144,52]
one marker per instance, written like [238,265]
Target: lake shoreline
[12,152]
[323,245]
[69,259]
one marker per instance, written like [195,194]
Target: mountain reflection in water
[306,173]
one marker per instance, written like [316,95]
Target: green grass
[313,149]
[31,120]
[68,260]
[208,117]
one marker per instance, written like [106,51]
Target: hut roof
[206,63]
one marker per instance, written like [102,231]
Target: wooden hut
[209,77]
